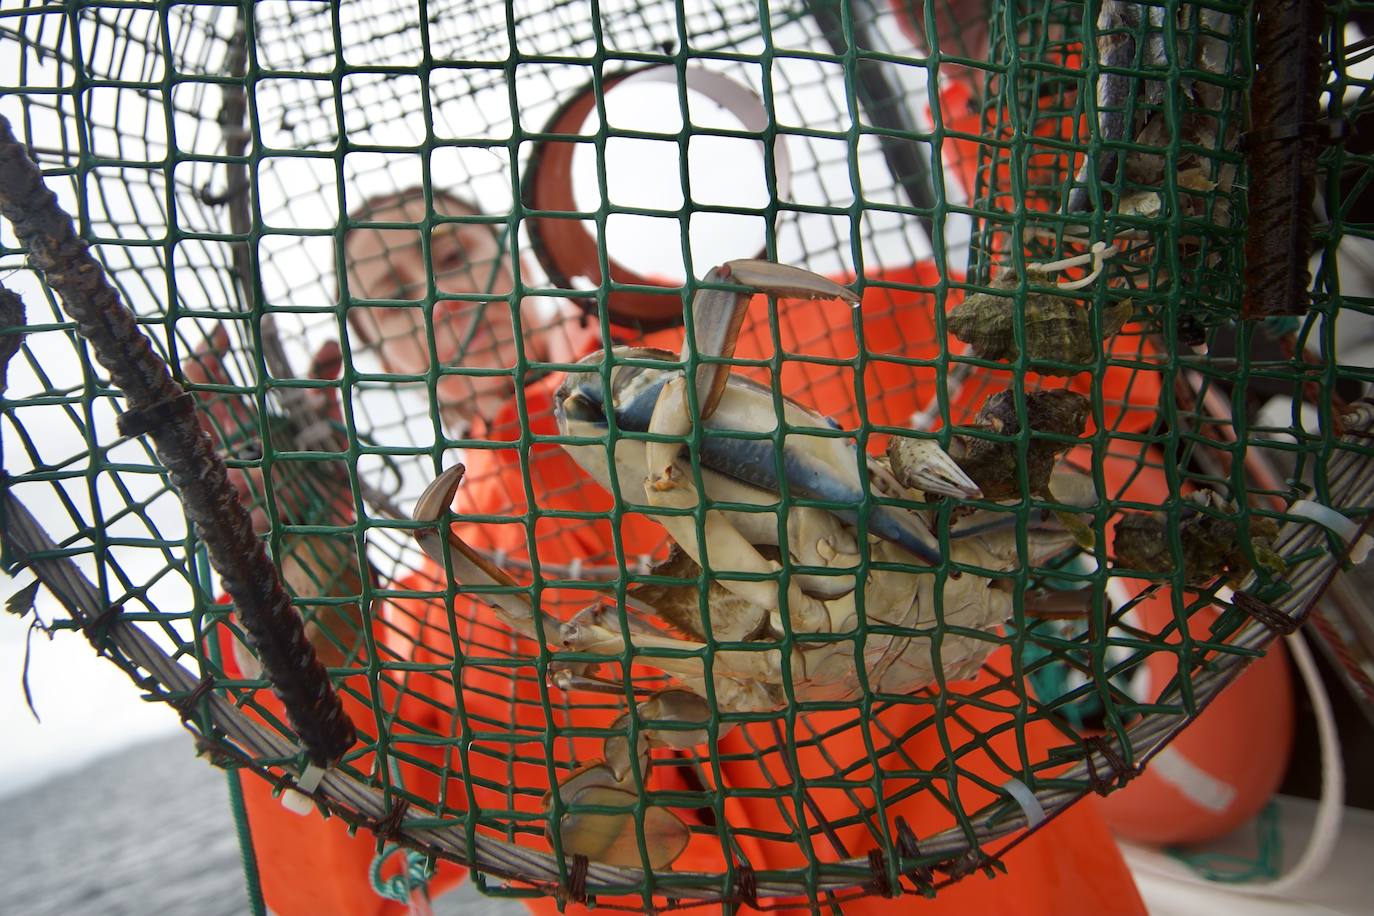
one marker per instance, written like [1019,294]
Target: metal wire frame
[1188,433]
[210,715]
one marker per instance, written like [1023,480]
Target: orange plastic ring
[565,248]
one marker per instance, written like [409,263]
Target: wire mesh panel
[376,238]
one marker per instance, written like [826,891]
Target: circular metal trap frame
[214,159]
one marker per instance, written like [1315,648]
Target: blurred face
[465,259]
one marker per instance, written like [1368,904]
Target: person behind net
[468,730]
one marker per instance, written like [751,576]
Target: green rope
[245,835]
[233,777]
[416,873]
[418,870]
[1226,868]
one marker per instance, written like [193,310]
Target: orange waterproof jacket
[499,762]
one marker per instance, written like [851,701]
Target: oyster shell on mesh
[994,464]
[1056,327]
[1211,544]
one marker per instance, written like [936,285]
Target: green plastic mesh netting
[1080,235]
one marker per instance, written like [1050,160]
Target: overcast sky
[88,706]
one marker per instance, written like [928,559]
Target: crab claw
[920,464]
[675,706]
[816,462]
[784,280]
[717,316]
[469,566]
[613,838]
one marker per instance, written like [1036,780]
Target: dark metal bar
[1281,154]
[160,407]
[886,110]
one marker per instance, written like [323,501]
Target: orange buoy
[1224,767]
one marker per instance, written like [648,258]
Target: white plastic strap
[1196,784]
[1337,524]
[1023,796]
[310,778]
[1100,252]
[298,800]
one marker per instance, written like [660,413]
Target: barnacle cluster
[1212,540]
[1055,419]
[1057,329]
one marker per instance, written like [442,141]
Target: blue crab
[656,406]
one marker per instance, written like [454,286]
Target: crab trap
[881,426]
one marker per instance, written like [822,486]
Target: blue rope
[419,869]
[1241,869]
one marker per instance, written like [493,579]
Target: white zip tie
[1023,796]
[575,568]
[1337,524]
[297,803]
[298,800]
[310,778]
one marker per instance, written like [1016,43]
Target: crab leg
[733,555]
[613,838]
[470,567]
[587,632]
[672,705]
[744,681]
[580,635]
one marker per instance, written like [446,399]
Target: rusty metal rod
[160,407]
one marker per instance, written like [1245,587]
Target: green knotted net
[258,181]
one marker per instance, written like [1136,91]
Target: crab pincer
[717,317]
[442,544]
[611,836]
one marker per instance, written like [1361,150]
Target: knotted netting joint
[877,867]
[1118,773]
[389,827]
[186,705]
